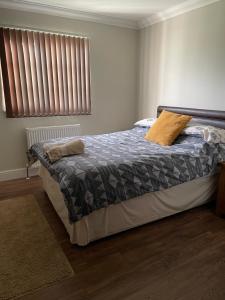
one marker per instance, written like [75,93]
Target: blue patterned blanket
[122,165]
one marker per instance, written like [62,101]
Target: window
[44,74]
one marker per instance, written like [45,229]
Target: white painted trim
[17,173]
[174,11]
[24,5]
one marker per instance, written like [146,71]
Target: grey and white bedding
[119,166]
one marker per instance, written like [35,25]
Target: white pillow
[194,129]
[150,121]
[145,122]
[193,123]
[214,135]
[210,134]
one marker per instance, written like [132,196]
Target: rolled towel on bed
[57,151]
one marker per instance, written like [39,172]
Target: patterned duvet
[122,165]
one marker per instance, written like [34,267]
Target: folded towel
[57,151]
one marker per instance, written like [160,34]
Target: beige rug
[30,257]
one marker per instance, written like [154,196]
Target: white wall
[182,61]
[113,73]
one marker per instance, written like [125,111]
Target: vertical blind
[44,74]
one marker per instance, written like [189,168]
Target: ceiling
[126,13]
[127,9]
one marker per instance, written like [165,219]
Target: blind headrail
[28,28]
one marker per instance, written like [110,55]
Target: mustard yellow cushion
[167,127]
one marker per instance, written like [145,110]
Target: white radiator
[41,134]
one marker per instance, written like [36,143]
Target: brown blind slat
[5,75]
[22,73]
[78,75]
[60,77]
[69,76]
[64,73]
[74,74]
[28,76]
[33,69]
[44,74]
[39,83]
[15,64]
[54,74]
[11,101]
[49,75]
[87,76]
[82,72]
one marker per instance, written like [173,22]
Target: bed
[121,183]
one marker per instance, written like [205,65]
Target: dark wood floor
[180,257]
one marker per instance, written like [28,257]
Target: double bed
[123,181]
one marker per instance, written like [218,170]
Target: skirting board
[17,173]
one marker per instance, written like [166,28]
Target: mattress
[130,213]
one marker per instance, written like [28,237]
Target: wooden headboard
[208,117]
